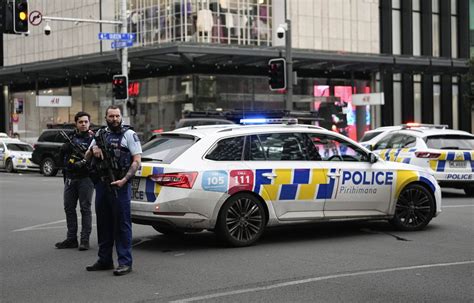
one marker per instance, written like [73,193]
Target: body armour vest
[121,154]
[72,157]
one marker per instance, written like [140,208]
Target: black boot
[68,243]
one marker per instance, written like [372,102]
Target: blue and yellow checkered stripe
[393,154]
[294,184]
[152,189]
[439,165]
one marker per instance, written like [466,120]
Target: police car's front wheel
[241,220]
[415,208]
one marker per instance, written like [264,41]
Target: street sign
[368,99]
[121,44]
[35,18]
[117,36]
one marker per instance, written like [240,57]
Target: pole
[289,67]
[124,50]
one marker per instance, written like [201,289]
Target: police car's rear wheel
[415,208]
[48,168]
[9,166]
[241,220]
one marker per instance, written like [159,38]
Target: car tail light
[182,180]
[427,155]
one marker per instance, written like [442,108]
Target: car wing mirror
[373,158]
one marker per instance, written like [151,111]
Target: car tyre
[48,168]
[241,221]
[9,166]
[415,208]
[469,190]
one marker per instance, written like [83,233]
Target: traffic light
[20,16]
[120,87]
[277,74]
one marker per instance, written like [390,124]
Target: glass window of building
[417,97]
[436,35]
[397,99]
[436,100]
[454,29]
[396,32]
[225,21]
[416,32]
[455,103]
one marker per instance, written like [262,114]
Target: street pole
[289,66]
[124,50]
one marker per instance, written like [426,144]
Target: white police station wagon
[237,180]
[446,153]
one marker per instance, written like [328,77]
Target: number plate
[457,164]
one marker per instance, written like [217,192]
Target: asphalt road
[356,262]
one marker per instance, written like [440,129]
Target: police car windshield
[450,142]
[166,148]
[368,136]
[19,147]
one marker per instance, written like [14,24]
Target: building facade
[212,54]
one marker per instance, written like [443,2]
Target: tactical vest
[70,171]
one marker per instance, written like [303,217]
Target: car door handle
[334,175]
[269,175]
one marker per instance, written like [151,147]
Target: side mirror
[373,158]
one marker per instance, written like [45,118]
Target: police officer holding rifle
[77,184]
[116,153]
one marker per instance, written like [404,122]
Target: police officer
[77,184]
[112,203]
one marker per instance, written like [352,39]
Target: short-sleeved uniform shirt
[129,140]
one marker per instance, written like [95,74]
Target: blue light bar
[253,121]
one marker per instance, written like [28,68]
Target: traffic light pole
[289,67]
[123,29]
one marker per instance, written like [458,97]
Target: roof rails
[422,125]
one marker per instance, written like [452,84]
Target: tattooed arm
[136,159]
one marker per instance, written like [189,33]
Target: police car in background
[446,153]
[373,136]
[238,179]
[16,155]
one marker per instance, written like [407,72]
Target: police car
[446,153]
[237,180]
[16,155]
[373,136]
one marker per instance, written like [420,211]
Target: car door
[2,154]
[355,186]
[284,175]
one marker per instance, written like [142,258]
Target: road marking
[453,206]
[315,279]
[41,226]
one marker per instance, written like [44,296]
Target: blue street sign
[117,36]
[121,44]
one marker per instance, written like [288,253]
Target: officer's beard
[115,127]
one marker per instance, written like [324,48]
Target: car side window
[409,141]
[332,148]
[383,143]
[397,141]
[48,136]
[229,149]
[276,147]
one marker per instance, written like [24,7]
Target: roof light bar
[414,124]
[269,121]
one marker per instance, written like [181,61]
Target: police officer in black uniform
[117,154]
[77,184]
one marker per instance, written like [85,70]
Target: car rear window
[19,147]
[450,142]
[369,136]
[166,148]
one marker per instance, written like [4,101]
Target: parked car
[47,149]
[447,154]
[16,155]
[236,180]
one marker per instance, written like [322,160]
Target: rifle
[78,150]
[108,164]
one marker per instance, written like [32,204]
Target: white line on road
[453,206]
[41,226]
[315,279]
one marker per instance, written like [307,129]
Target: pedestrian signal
[120,87]
[277,74]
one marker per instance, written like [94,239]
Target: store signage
[368,99]
[53,101]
